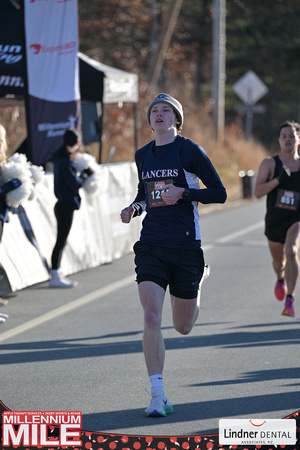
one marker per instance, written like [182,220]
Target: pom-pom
[80,161]
[19,167]
[19,158]
[37,173]
[92,183]
[84,161]
[18,196]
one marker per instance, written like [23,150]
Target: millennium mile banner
[53,104]
[36,428]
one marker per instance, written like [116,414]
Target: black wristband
[186,195]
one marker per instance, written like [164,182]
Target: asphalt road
[80,349]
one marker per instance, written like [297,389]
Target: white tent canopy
[119,86]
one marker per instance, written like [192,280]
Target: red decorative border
[100,441]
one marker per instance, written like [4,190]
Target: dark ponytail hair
[70,137]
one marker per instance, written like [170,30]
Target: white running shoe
[159,406]
[206,273]
[68,281]
[4,316]
[59,281]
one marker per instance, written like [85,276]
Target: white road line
[95,295]
[241,232]
[231,236]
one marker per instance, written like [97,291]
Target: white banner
[52,46]
[51,43]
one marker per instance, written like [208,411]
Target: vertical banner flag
[11,52]
[53,103]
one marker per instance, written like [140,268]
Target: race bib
[287,199]
[155,189]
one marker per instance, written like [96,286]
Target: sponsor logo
[41,428]
[68,47]
[257,431]
[36,48]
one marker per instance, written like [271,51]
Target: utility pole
[219,64]
[164,41]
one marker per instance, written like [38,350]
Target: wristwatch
[186,194]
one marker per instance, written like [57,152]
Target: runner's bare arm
[264,182]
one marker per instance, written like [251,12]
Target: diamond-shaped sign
[250,88]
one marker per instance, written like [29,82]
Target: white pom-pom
[12,170]
[19,158]
[16,197]
[91,184]
[83,161]
[18,167]
[37,173]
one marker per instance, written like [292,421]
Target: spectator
[67,183]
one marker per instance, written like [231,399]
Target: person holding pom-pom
[67,183]
[5,188]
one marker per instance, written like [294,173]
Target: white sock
[156,383]
[54,273]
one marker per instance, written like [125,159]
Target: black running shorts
[278,233]
[180,269]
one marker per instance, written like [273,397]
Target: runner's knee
[152,319]
[183,329]
[279,265]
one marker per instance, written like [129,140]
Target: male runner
[169,252]
[279,178]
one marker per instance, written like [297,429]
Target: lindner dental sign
[257,431]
